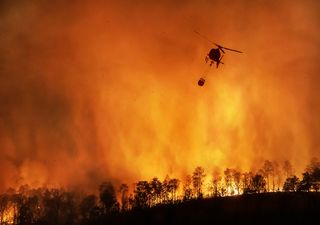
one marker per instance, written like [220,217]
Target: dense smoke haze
[96,90]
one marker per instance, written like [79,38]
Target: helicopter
[214,56]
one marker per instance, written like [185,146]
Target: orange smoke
[95,91]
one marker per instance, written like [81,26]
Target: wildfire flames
[108,91]
[7,216]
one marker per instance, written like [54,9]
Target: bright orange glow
[108,90]
[7,216]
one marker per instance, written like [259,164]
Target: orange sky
[95,91]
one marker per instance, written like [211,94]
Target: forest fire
[7,215]
[88,96]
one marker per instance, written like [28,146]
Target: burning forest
[118,204]
[100,110]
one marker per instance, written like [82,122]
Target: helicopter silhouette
[215,55]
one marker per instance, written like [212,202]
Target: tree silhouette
[258,183]
[156,190]
[216,183]
[228,181]
[165,189]
[274,173]
[131,201]
[4,202]
[267,170]
[108,196]
[291,184]
[173,186]
[29,210]
[247,182]
[316,179]
[86,207]
[306,182]
[187,190]
[124,189]
[68,208]
[314,171]
[287,168]
[314,164]
[142,194]
[236,175]
[197,181]
[52,206]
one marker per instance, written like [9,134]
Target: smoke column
[101,90]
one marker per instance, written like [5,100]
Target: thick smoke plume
[95,90]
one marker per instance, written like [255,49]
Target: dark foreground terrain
[268,208]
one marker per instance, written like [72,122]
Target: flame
[87,95]
[7,216]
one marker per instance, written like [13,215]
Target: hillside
[268,208]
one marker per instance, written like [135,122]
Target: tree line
[58,206]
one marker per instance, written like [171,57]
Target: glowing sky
[95,90]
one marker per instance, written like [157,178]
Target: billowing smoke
[95,90]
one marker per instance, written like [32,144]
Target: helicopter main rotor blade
[230,49]
[204,37]
[219,46]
